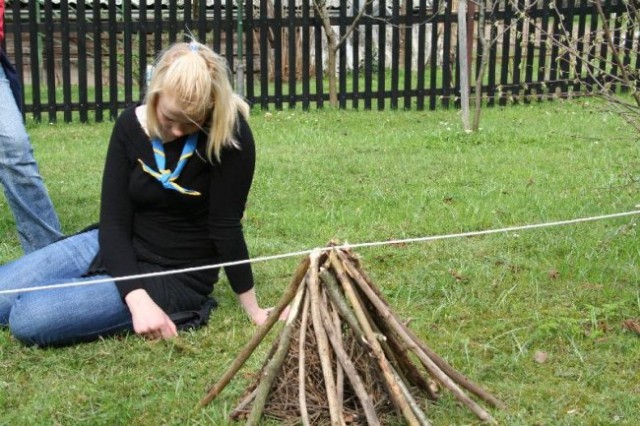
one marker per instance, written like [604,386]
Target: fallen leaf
[632,325]
[540,357]
[457,275]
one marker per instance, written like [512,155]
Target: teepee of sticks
[343,356]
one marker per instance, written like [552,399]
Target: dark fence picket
[291,57]
[530,63]
[395,53]
[230,31]
[554,61]
[408,44]
[342,54]
[518,66]
[66,60]
[628,47]
[319,74]
[382,53]
[143,72]
[433,67]
[580,43]
[50,67]
[265,40]
[173,21]
[202,19]
[83,98]
[306,56]
[127,57]
[81,57]
[34,40]
[447,66]
[113,62]
[368,57]
[276,27]
[97,60]
[355,74]
[250,73]
[421,21]
[505,59]
[493,65]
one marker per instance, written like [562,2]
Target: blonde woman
[176,179]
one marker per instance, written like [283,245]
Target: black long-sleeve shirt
[145,227]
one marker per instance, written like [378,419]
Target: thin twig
[302,396]
[258,336]
[272,369]
[364,282]
[350,371]
[340,303]
[394,391]
[237,412]
[480,412]
[339,370]
[323,344]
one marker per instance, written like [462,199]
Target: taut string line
[307,252]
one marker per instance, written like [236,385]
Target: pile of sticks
[344,357]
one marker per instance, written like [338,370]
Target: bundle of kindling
[344,357]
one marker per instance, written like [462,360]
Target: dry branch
[351,373]
[302,395]
[366,286]
[260,333]
[323,344]
[428,363]
[272,369]
[396,394]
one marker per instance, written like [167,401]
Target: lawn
[535,316]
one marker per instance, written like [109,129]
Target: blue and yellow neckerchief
[166,176]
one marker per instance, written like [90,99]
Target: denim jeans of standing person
[36,219]
[60,316]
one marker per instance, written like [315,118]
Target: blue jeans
[36,219]
[63,316]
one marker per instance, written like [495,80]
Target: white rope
[307,252]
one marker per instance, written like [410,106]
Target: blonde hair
[199,79]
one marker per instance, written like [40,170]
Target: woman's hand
[257,314]
[149,320]
[260,316]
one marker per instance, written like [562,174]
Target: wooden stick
[323,344]
[399,328]
[258,336]
[359,274]
[302,394]
[411,371]
[235,414]
[391,356]
[458,377]
[415,407]
[269,374]
[339,370]
[395,392]
[340,303]
[350,370]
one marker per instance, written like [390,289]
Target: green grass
[487,304]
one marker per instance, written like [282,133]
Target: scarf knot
[165,176]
